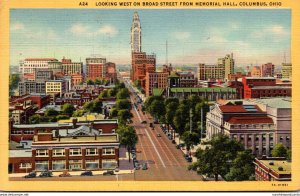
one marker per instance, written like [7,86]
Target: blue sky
[194,36]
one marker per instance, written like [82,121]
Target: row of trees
[138,85]
[187,116]
[52,115]
[98,82]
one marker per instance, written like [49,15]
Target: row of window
[26,132]
[73,165]
[75,152]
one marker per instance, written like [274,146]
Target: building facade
[228,63]
[257,87]
[155,80]
[141,64]
[136,34]
[95,68]
[28,87]
[206,72]
[267,70]
[70,68]
[55,87]
[255,71]
[272,169]
[30,64]
[287,70]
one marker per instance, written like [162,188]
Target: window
[75,152]
[91,164]
[91,151]
[108,151]
[41,165]
[28,132]
[41,153]
[25,165]
[59,165]
[16,132]
[58,152]
[287,138]
[281,138]
[109,164]
[75,164]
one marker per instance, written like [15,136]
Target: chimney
[74,121]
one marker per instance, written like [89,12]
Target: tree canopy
[128,137]
[224,157]
[67,109]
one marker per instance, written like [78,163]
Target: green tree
[98,82]
[218,156]
[124,116]
[78,113]
[90,82]
[123,93]
[103,94]
[67,109]
[127,137]
[242,167]
[14,80]
[114,113]
[123,104]
[88,106]
[190,140]
[171,108]
[171,100]
[113,92]
[62,117]
[97,106]
[35,119]
[279,151]
[51,112]
[157,109]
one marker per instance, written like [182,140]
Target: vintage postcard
[140,95]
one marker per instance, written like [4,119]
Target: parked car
[87,173]
[144,122]
[144,166]
[150,124]
[108,173]
[65,174]
[179,146]
[30,175]
[189,159]
[45,174]
[158,135]
[186,156]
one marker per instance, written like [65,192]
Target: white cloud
[182,35]
[274,30]
[85,30]
[278,30]
[108,30]
[17,26]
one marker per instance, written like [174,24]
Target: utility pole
[191,121]
[201,123]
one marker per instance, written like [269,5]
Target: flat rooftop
[111,138]
[275,102]
[286,165]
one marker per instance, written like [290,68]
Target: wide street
[165,161]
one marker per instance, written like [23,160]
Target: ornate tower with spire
[136,34]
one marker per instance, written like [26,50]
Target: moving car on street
[45,174]
[87,173]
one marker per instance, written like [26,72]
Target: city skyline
[198,36]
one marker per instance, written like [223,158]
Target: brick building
[95,68]
[155,80]
[272,169]
[141,64]
[257,87]
[30,64]
[37,100]
[79,151]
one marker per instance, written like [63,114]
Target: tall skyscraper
[136,34]
[228,63]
